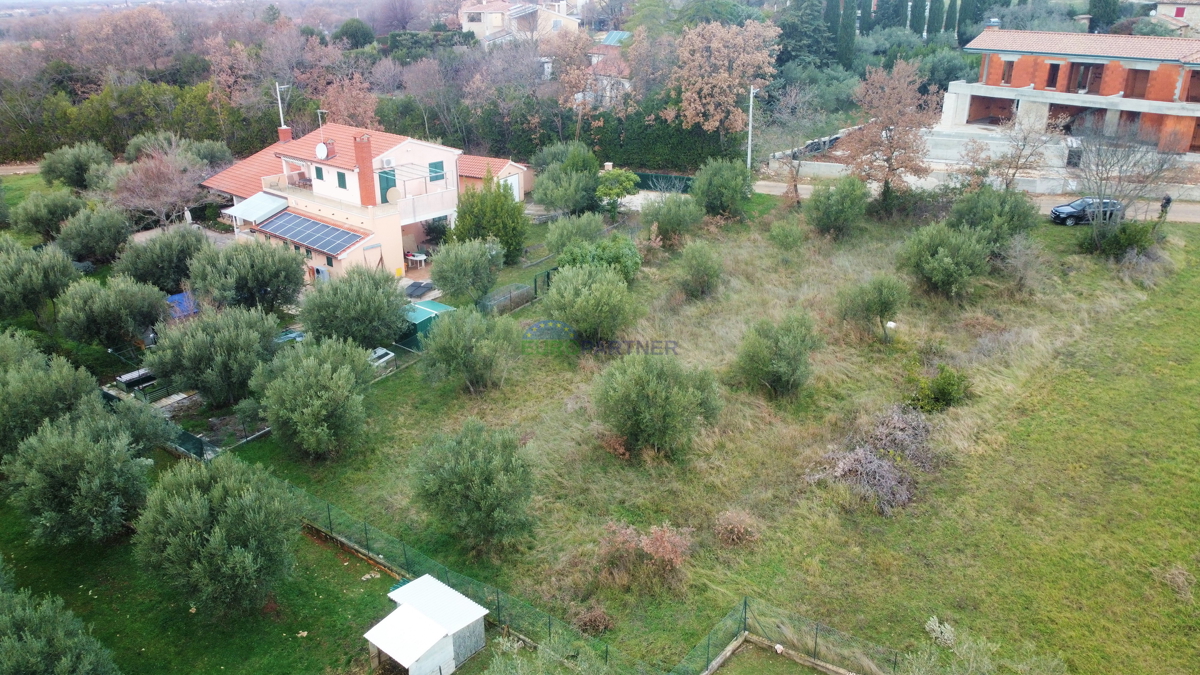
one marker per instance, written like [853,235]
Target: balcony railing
[409,210]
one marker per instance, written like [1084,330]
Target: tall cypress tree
[937,16]
[952,17]
[833,15]
[865,22]
[966,12]
[916,17]
[845,38]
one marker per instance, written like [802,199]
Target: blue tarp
[182,304]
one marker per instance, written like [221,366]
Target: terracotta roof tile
[605,50]
[305,148]
[474,166]
[1143,47]
[611,66]
[244,178]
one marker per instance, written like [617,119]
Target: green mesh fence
[589,654]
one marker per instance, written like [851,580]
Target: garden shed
[414,641]
[422,314]
[459,616]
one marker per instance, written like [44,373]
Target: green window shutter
[387,181]
[437,171]
[320,173]
[329,261]
[341,180]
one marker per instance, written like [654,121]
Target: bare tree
[349,101]
[387,77]
[974,166]
[395,15]
[1027,143]
[423,81]
[651,60]
[889,147]
[1125,167]
[573,71]
[788,126]
[717,65]
[162,184]
[614,11]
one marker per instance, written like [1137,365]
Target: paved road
[1181,212]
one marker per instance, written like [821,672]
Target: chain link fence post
[329,516]
[366,538]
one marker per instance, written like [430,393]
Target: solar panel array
[310,234]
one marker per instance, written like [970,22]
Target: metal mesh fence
[725,632]
[819,641]
[507,298]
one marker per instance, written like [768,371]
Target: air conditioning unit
[387,161]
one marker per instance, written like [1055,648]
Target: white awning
[257,208]
[406,635]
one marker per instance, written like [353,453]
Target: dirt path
[13,169]
[1181,212]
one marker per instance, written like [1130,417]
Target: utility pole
[750,134]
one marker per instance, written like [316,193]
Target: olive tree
[95,234]
[34,389]
[676,215]
[835,208]
[70,164]
[365,306]
[592,299]
[467,344]
[40,636]
[774,356]
[723,187]
[313,402]
[146,426]
[215,353]
[467,269]
[30,280]
[220,534]
[654,402]
[43,213]
[586,228]
[944,260]
[476,484]
[113,314]
[702,269]
[874,303]
[251,275]
[618,252]
[74,484]
[163,260]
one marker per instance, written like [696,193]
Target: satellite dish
[322,151]
[393,195]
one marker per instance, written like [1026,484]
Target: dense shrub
[835,208]
[356,32]
[492,211]
[162,261]
[34,389]
[476,484]
[998,215]
[912,205]
[723,187]
[675,214]
[365,306]
[702,269]
[43,213]
[30,280]
[467,344]
[215,353]
[40,636]
[653,402]
[468,269]
[213,153]
[251,275]
[149,142]
[946,389]
[314,403]
[114,314]
[1114,242]
[586,228]
[614,184]
[559,189]
[775,356]
[1026,262]
[618,252]
[629,558]
[75,484]
[219,533]
[945,260]
[95,235]
[69,165]
[4,210]
[786,234]
[592,299]
[874,303]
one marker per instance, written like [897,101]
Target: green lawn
[16,188]
[751,659]
[149,630]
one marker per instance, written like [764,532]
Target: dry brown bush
[902,431]
[1146,269]
[592,620]
[628,557]
[980,324]
[875,478]
[736,528]
[613,444]
[1178,579]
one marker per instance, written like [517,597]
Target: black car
[1084,209]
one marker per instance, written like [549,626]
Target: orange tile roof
[605,50]
[475,166]
[488,7]
[244,178]
[1047,43]
[611,66]
[305,148]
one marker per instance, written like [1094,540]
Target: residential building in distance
[499,21]
[472,169]
[1151,83]
[1183,16]
[343,196]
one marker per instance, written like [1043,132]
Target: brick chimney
[285,134]
[366,170]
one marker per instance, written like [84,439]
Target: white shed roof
[406,635]
[451,609]
[257,208]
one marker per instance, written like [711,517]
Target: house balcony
[402,211]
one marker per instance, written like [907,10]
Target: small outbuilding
[433,630]
[422,314]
